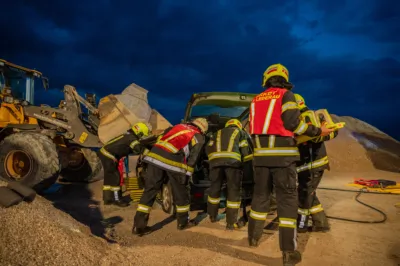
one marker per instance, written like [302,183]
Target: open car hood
[220,99]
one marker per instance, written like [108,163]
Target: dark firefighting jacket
[177,149]
[228,147]
[120,146]
[274,121]
[313,155]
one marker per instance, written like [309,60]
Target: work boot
[141,231]
[320,222]
[253,242]
[115,198]
[290,258]
[213,219]
[107,197]
[186,225]
[235,226]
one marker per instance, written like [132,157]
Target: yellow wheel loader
[39,143]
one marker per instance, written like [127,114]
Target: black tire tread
[45,153]
[89,173]
[95,164]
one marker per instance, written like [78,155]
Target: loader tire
[88,170]
[29,158]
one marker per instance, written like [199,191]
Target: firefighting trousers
[111,173]
[233,177]
[284,181]
[110,155]
[154,181]
[309,203]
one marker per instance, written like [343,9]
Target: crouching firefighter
[310,168]
[274,120]
[174,156]
[226,153]
[111,153]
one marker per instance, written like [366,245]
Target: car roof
[221,99]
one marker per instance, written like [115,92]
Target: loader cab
[17,83]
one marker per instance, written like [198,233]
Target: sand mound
[362,147]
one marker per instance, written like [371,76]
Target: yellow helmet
[234,122]
[141,129]
[300,101]
[201,123]
[275,70]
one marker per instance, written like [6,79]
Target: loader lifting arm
[67,120]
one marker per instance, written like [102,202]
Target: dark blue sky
[342,55]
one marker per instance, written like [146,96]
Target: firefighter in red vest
[111,153]
[274,121]
[174,155]
[227,152]
[310,168]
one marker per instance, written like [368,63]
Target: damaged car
[217,108]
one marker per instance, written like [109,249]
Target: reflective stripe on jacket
[272,116]
[265,113]
[177,138]
[177,150]
[228,147]
[121,146]
[313,155]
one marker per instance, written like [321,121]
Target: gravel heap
[39,234]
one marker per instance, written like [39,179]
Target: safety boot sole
[190,224]
[141,232]
[253,242]
[291,258]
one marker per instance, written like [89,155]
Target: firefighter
[274,121]
[111,153]
[226,154]
[310,168]
[174,155]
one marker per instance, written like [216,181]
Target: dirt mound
[362,147]
[40,234]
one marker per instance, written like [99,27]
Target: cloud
[342,55]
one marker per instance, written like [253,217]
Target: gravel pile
[39,234]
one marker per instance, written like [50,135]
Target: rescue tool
[315,118]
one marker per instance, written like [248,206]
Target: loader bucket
[120,112]
[158,122]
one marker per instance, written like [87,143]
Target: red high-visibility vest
[177,138]
[265,114]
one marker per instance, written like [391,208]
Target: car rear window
[206,110]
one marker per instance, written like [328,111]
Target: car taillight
[198,195]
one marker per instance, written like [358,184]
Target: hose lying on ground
[361,191]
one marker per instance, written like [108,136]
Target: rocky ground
[72,228]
